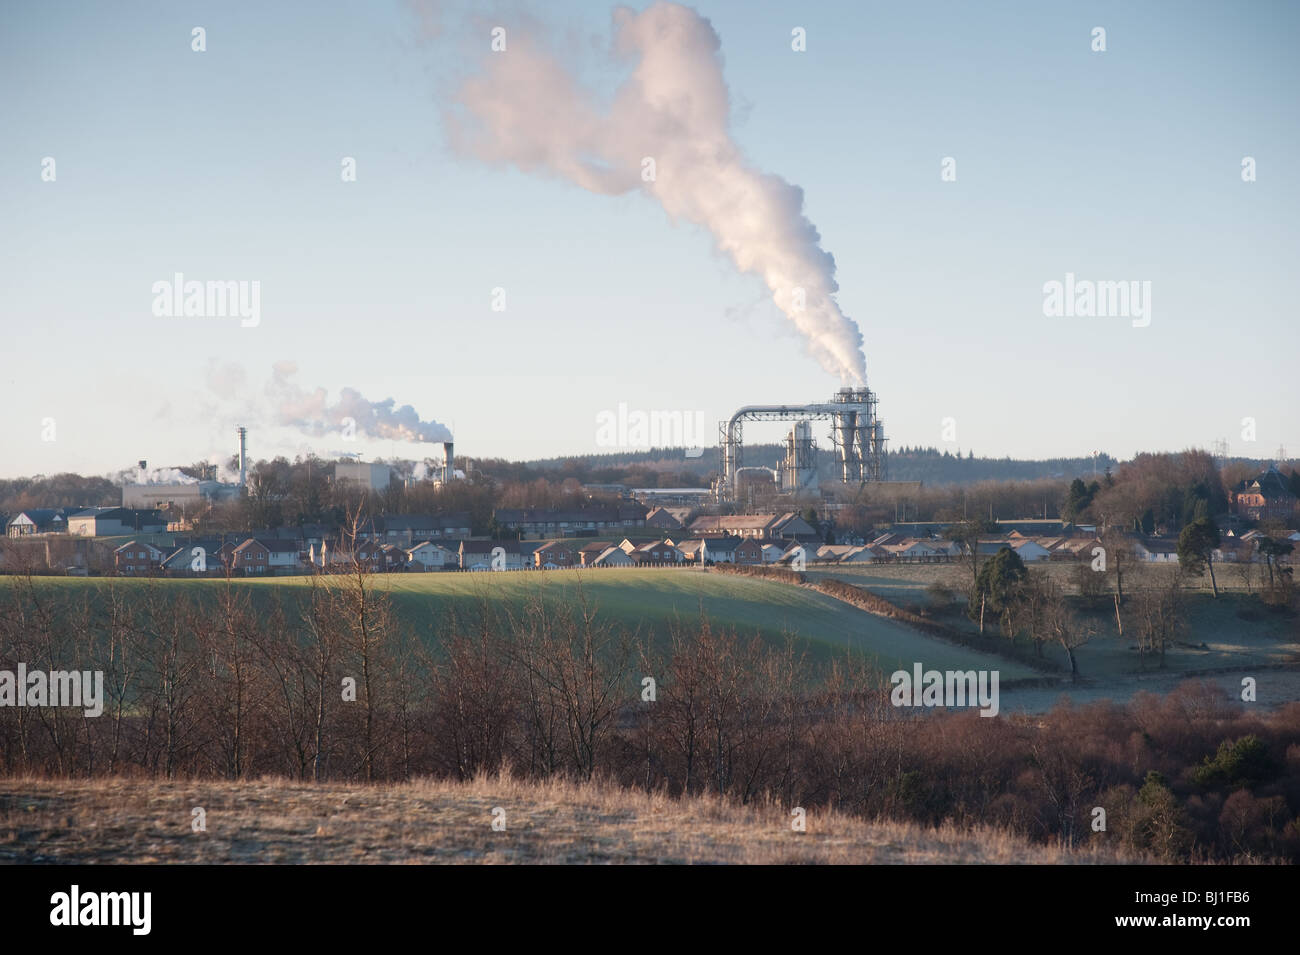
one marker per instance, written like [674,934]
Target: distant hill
[930,465]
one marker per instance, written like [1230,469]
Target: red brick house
[656,554]
[556,554]
[135,558]
[252,557]
[1264,497]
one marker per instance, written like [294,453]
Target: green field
[1227,637]
[647,601]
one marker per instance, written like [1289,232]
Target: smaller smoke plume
[311,412]
[154,476]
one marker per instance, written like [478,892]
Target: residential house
[655,554]
[689,549]
[1029,550]
[830,553]
[790,526]
[611,556]
[283,556]
[1265,496]
[1075,548]
[797,553]
[1235,550]
[718,550]
[226,553]
[764,526]
[1157,550]
[866,554]
[493,555]
[588,553]
[945,548]
[629,544]
[570,522]
[1032,527]
[341,554]
[429,556]
[774,550]
[911,549]
[668,518]
[203,552]
[409,529]
[556,555]
[136,558]
[392,559]
[251,557]
[40,520]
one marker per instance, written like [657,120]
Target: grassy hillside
[1228,638]
[427,821]
[645,600]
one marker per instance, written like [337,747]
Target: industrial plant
[172,488]
[857,438]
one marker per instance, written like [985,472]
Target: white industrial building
[373,475]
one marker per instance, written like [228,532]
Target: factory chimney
[449,462]
[243,456]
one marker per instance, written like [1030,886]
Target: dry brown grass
[436,821]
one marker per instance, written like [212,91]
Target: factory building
[857,441]
[186,495]
[372,476]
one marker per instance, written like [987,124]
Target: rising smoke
[155,476]
[527,108]
[311,412]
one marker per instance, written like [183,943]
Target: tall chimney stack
[449,462]
[243,456]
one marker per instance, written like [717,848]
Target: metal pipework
[855,430]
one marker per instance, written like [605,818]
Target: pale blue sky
[225,165]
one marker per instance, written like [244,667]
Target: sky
[226,164]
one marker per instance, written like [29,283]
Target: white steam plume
[156,476]
[527,108]
[311,412]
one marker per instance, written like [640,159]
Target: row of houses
[584,521]
[571,522]
[261,556]
[267,556]
[254,556]
[406,529]
[786,526]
